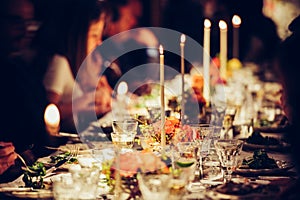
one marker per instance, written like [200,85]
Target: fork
[74,149]
[25,167]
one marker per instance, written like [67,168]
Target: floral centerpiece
[175,132]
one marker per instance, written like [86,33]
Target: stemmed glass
[203,134]
[229,151]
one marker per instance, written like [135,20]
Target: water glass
[184,165]
[229,151]
[123,139]
[82,184]
[268,111]
[64,188]
[125,126]
[154,186]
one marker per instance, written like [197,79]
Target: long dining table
[272,183]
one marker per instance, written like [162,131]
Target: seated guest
[23,101]
[258,35]
[67,41]
[289,73]
[130,47]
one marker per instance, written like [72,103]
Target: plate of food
[233,190]
[279,125]
[34,194]
[261,164]
[258,141]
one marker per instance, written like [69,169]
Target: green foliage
[35,176]
[260,160]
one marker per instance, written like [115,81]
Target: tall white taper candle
[162,96]
[223,49]
[182,42]
[206,61]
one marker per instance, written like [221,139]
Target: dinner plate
[280,147]
[34,194]
[283,167]
[243,191]
[15,189]
[268,129]
[213,194]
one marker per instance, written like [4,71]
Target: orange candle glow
[52,119]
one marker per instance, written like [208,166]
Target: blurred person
[72,69]
[22,129]
[7,156]
[288,70]
[125,17]
[258,34]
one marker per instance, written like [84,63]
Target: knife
[58,164]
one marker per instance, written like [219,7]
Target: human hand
[103,97]
[7,156]
[98,101]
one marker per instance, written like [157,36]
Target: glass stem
[227,174]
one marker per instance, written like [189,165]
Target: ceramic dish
[34,194]
[280,147]
[283,167]
[239,191]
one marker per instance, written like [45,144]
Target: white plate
[15,189]
[279,147]
[220,196]
[35,194]
[282,167]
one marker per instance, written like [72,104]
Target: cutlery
[73,153]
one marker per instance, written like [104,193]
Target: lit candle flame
[222,25]
[161,50]
[51,116]
[122,88]
[182,38]
[236,20]
[207,23]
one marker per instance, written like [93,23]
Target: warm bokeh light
[222,25]
[52,116]
[236,20]
[182,38]
[161,50]
[122,88]
[207,23]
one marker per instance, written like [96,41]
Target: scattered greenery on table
[257,138]
[35,176]
[260,160]
[59,157]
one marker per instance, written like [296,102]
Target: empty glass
[82,184]
[123,139]
[125,126]
[154,186]
[229,151]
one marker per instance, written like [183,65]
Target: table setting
[188,139]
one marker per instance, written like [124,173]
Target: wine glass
[229,151]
